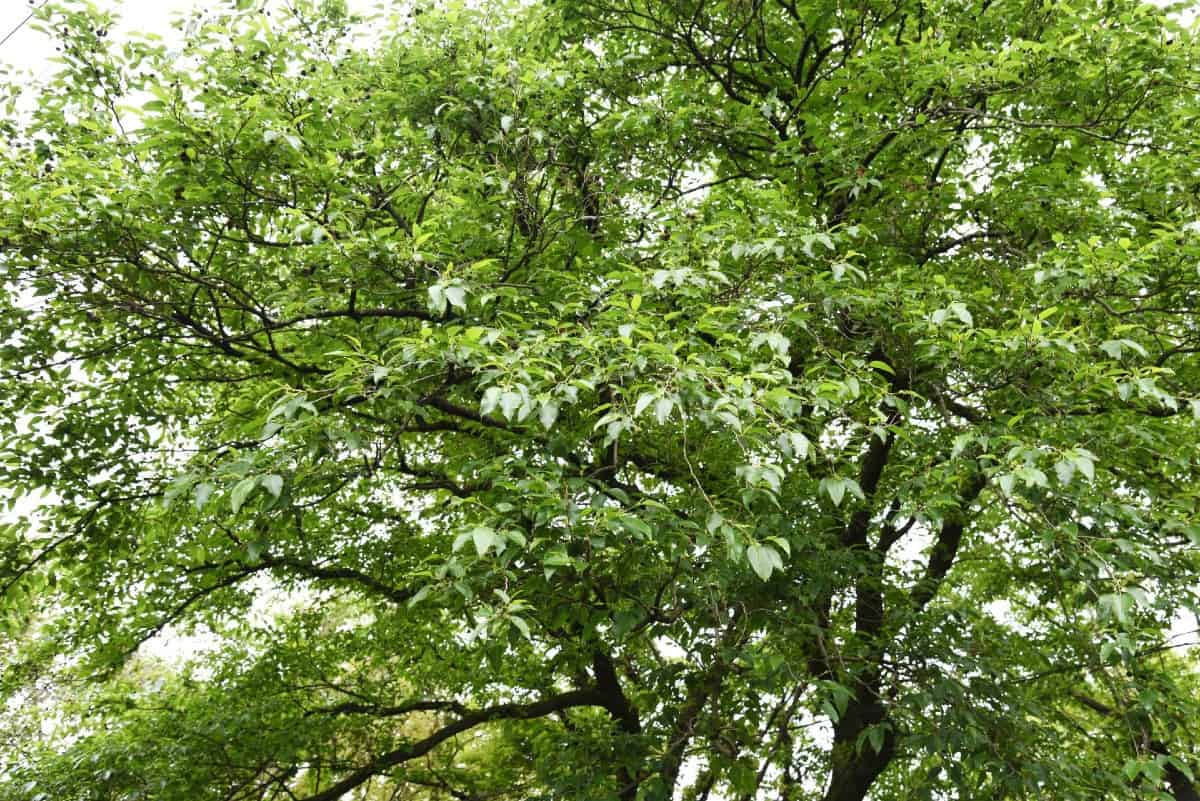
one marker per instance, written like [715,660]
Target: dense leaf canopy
[604,399]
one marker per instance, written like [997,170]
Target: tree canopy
[604,399]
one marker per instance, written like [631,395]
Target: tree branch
[574,698]
[945,547]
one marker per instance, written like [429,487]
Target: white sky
[29,49]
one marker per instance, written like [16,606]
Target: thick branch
[398,595]
[945,547]
[353,708]
[618,706]
[575,698]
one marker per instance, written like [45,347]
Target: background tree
[743,399]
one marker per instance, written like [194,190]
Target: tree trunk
[855,769]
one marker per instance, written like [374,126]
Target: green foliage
[587,401]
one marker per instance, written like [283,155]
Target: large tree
[718,399]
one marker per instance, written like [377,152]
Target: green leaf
[457,295]
[557,557]
[835,488]
[1118,605]
[960,311]
[548,414]
[794,444]
[490,400]
[420,595]
[643,402]
[662,409]
[1085,462]
[763,560]
[273,484]
[202,492]
[484,539]
[510,404]
[254,551]
[241,491]
[779,344]
[875,734]
[854,488]
[521,625]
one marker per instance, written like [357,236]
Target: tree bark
[856,768]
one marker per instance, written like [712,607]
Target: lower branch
[382,763]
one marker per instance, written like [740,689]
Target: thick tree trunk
[855,769]
[622,712]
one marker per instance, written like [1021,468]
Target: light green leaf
[794,443]
[960,311]
[662,409]
[273,484]
[490,400]
[457,295]
[521,625]
[510,404]
[1085,462]
[763,559]
[835,488]
[241,491]
[854,488]
[548,414]
[202,492]
[484,539]
[643,401]
[420,595]
[778,343]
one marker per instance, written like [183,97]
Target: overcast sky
[30,49]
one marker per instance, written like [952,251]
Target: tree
[605,400]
